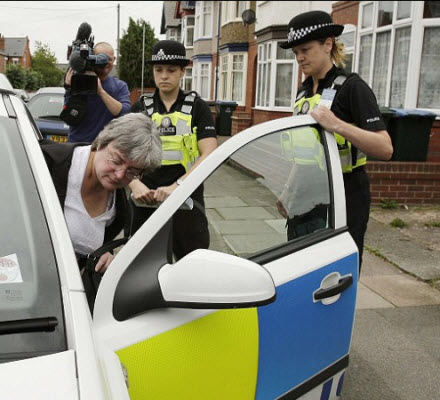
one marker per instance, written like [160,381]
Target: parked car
[22,94]
[4,83]
[46,106]
[255,316]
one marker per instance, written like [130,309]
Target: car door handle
[343,284]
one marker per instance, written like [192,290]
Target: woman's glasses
[118,165]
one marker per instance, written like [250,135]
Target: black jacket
[59,159]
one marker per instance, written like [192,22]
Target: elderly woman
[348,108]
[90,180]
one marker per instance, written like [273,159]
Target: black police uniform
[190,228]
[356,104]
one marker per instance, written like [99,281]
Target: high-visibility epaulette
[148,101]
[190,98]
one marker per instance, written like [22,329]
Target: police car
[261,314]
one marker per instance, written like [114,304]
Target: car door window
[30,290]
[271,191]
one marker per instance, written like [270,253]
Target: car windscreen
[31,309]
[46,106]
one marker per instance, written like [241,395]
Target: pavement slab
[241,227]
[403,290]
[395,355]
[410,255]
[368,299]
[226,201]
[244,213]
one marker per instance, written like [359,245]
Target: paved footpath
[395,353]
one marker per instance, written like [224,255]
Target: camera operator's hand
[68,77]
[100,90]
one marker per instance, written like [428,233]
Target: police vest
[350,156]
[303,146]
[179,140]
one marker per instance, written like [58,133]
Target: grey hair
[136,137]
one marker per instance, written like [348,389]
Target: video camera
[81,59]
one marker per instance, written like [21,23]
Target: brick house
[15,51]
[394,46]
[395,49]
[3,59]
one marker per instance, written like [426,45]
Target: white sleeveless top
[86,233]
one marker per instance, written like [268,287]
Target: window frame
[418,25]
[187,77]
[274,62]
[185,28]
[196,77]
[350,28]
[229,11]
[198,20]
[173,34]
[229,76]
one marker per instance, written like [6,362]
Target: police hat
[169,52]
[309,26]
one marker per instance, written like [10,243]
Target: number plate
[58,138]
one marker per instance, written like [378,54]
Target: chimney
[2,42]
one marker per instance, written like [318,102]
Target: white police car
[257,316]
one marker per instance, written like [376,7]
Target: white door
[274,200]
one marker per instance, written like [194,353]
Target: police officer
[188,136]
[340,103]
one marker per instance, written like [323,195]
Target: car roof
[51,90]
[4,83]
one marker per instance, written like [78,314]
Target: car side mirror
[209,279]
[203,279]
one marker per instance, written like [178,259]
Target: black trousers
[357,198]
[190,228]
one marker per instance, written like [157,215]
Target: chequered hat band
[300,33]
[161,56]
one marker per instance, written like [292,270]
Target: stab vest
[350,156]
[179,140]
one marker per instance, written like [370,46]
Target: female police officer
[188,135]
[354,116]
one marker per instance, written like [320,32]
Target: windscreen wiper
[46,324]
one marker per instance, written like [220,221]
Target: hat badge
[160,54]
[290,35]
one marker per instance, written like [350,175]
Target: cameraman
[112,99]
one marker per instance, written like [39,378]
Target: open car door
[267,311]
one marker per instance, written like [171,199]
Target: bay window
[385,37]
[399,52]
[203,19]
[186,83]
[233,67]
[276,77]
[173,34]
[188,31]
[232,10]
[201,78]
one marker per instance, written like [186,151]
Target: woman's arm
[375,144]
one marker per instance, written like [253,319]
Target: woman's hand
[162,193]
[142,193]
[329,121]
[104,262]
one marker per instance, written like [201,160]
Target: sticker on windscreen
[10,269]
